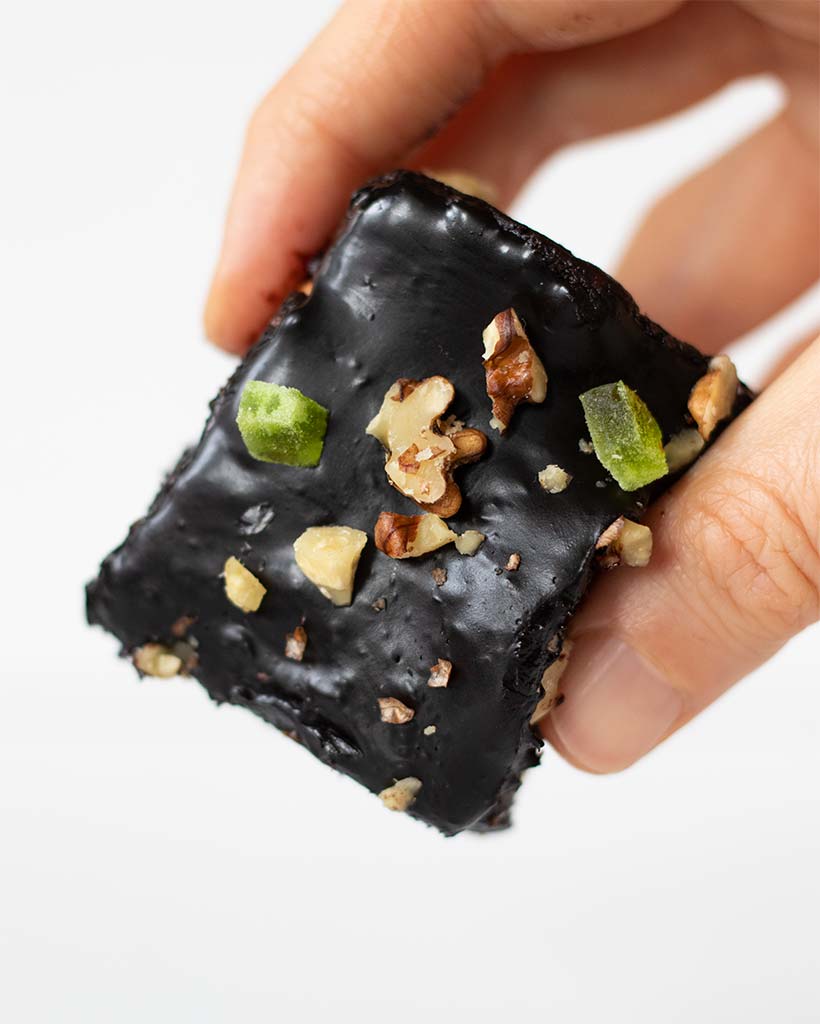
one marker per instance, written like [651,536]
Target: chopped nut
[635,544]
[467,183]
[157,660]
[429,730]
[410,536]
[295,644]
[401,795]
[439,576]
[394,712]
[586,447]
[469,542]
[554,479]
[241,586]
[440,673]
[328,556]
[713,396]
[514,372]
[682,449]
[181,626]
[379,604]
[421,453]
[185,650]
[627,542]
[549,683]
[513,562]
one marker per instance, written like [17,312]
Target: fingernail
[616,705]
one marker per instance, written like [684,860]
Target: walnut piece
[328,556]
[401,795]
[180,627]
[682,449]
[513,562]
[469,542]
[422,452]
[713,396]
[295,644]
[242,587]
[554,479]
[394,712]
[549,683]
[439,576]
[440,673]
[627,542]
[157,660]
[410,536]
[514,372]
[585,447]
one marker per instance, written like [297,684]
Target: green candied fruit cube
[280,424]
[625,435]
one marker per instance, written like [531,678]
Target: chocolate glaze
[416,273]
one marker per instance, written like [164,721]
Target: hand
[494,88]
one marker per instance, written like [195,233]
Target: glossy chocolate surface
[414,276]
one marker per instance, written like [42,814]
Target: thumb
[735,573]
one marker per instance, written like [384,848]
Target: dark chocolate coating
[416,273]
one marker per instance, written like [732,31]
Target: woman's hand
[493,89]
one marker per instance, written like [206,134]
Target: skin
[494,89]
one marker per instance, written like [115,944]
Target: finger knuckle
[760,564]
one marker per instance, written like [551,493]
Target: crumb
[295,644]
[440,673]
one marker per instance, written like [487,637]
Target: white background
[164,860]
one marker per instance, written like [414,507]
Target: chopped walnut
[379,604]
[627,542]
[554,479]
[410,536]
[329,556]
[513,562]
[181,626]
[469,542]
[439,576]
[242,587]
[585,447]
[514,372]
[421,452]
[440,673]
[429,730]
[157,660]
[713,396]
[682,449]
[549,683]
[467,183]
[401,795]
[295,644]
[394,712]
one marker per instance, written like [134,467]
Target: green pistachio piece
[625,435]
[280,424]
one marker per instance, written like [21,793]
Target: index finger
[378,81]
